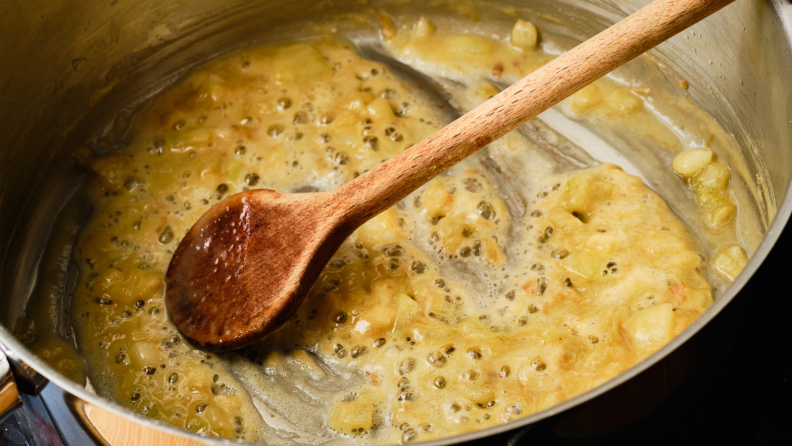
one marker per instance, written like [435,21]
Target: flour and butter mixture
[483,297]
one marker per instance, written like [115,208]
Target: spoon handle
[385,185]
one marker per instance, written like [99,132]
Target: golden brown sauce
[445,314]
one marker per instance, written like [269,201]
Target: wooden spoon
[248,263]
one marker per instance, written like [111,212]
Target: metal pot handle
[29,381]
[9,394]
[16,376]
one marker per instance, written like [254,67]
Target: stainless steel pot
[67,65]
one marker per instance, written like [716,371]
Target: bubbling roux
[450,312]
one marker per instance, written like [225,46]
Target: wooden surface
[249,262]
[9,395]
[114,430]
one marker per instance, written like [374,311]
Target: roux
[453,311]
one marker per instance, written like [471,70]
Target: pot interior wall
[75,72]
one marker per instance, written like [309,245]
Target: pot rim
[782,10]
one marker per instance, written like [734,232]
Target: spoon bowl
[246,265]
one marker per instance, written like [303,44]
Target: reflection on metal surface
[113,430]
[9,395]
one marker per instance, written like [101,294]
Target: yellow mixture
[448,313]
